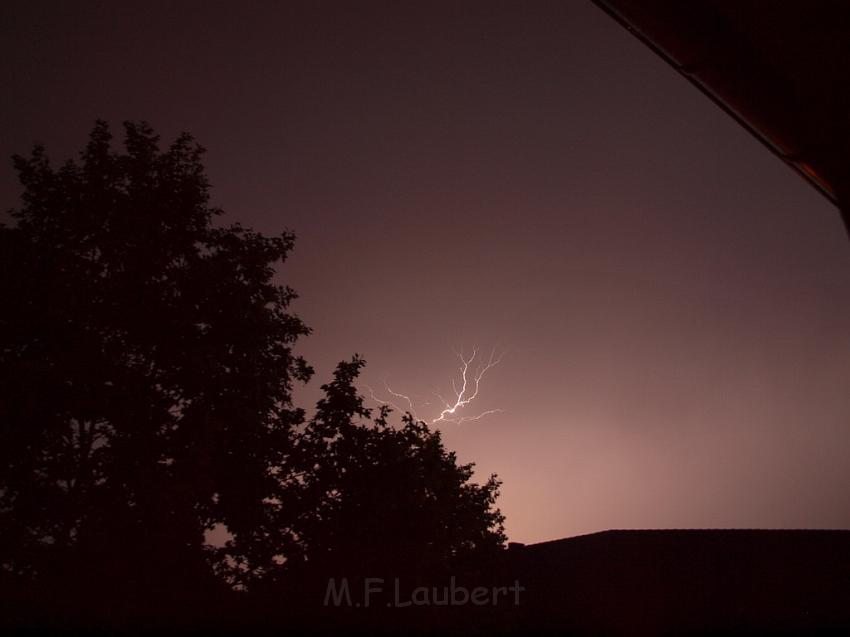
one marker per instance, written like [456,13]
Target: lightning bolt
[468,389]
[465,387]
[390,403]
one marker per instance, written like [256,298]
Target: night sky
[672,301]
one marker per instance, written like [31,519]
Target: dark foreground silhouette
[146,373]
[688,581]
[665,582]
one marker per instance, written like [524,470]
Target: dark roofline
[793,157]
[608,533]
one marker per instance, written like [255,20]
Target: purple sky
[674,302]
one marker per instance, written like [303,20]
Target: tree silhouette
[146,371]
[383,500]
[146,366]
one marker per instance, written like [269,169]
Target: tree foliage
[146,374]
[386,499]
[146,361]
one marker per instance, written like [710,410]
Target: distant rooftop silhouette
[653,581]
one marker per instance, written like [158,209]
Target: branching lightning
[465,387]
[390,403]
[468,389]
